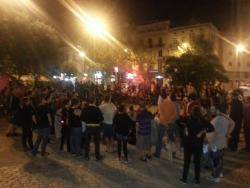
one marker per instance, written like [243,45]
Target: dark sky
[179,12]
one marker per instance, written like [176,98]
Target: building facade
[160,41]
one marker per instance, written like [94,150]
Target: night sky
[179,12]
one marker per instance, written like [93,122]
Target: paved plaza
[60,169]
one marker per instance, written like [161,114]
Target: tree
[29,44]
[196,66]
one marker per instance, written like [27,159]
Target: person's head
[196,112]
[91,100]
[173,97]
[248,99]
[163,94]
[75,102]
[143,106]
[121,108]
[192,96]
[26,101]
[107,99]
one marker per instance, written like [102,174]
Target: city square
[145,93]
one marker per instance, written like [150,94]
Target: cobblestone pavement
[60,169]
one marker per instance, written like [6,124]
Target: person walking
[223,127]
[43,123]
[195,129]
[236,114]
[108,110]
[123,125]
[144,120]
[92,116]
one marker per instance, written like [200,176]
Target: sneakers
[144,159]
[183,181]
[125,161]
[99,158]
[213,179]
[149,157]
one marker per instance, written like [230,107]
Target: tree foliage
[196,66]
[28,44]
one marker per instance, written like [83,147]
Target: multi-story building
[236,62]
[159,40]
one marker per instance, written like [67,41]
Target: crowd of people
[201,127]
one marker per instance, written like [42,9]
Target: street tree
[198,66]
[30,45]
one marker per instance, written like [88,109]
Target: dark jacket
[91,115]
[122,124]
[236,110]
[195,126]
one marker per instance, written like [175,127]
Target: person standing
[13,108]
[43,122]
[25,117]
[75,125]
[92,116]
[194,132]
[246,123]
[123,125]
[167,116]
[223,127]
[236,114]
[108,110]
[144,120]
[65,126]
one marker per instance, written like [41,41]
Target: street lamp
[96,27]
[82,54]
[240,48]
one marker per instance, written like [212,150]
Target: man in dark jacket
[92,116]
[236,114]
[25,119]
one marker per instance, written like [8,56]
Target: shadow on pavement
[49,168]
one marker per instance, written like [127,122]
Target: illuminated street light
[126,50]
[240,48]
[95,27]
[82,54]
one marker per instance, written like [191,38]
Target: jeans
[247,136]
[42,138]
[122,144]
[27,137]
[75,140]
[217,158]
[234,140]
[188,152]
[159,144]
[95,132]
[65,137]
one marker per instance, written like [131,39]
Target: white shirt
[221,125]
[108,111]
